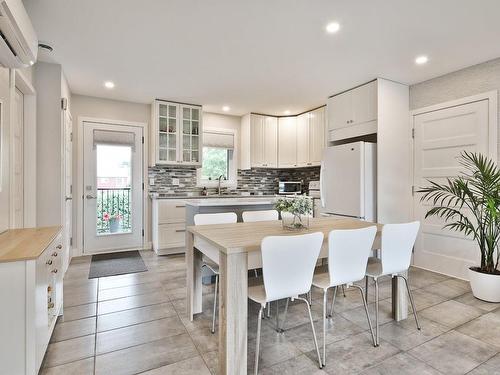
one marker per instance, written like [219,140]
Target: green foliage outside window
[215,163]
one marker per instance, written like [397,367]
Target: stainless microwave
[290,187]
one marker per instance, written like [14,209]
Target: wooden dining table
[236,244]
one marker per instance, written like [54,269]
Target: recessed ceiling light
[109,84]
[226,108]
[421,60]
[332,27]
[287,112]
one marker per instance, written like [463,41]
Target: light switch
[151,181]
[175,181]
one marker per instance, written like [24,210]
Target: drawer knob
[54,254]
[54,270]
[59,247]
[50,305]
[49,262]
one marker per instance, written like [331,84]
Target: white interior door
[440,136]
[68,187]
[112,190]
[17,206]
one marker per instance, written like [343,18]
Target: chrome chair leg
[333,301]
[283,320]
[313,331]
[268,308]
[257,345]
[310,298]
[277,315]
[411,301]
[215,302]
[343,290]
[367,314]
[366,289]
[376,313]
[325,301]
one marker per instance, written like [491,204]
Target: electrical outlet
[175,181]
[151,181]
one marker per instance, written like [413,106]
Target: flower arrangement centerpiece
[295,211]
[115,221]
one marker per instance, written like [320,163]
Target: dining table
[236,249]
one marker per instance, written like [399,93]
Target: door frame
[78,185]
[493,151]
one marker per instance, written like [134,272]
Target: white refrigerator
[348,180]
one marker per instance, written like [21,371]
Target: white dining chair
[396,248]
[264,215]
[348,252]
[288,264]
[213,264]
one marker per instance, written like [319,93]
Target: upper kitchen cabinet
[316,138]
[259,141]
[287,142]
[176,133]
[354,112]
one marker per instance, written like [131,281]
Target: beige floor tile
[132,302]
[205,340]
[126,318]
[130,290]
[453,353]
[147,356]
[490,367]
[446,289]
[82,367]
[401,364]
[451,313]
[358,315]
[191,366]
[470,300]
[212,361]
[78,312]
[271,354]
[300,365]
[72,329]
[485,328]
[69,351]
[138,334]
[79,295]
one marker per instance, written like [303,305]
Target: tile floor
[137,323]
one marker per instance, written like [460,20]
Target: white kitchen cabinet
[303,147]
[32,289]
[176,134]
[354,107]
[287,142]
[316,137]
[169,226]
[263,141]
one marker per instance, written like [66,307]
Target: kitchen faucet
[218,186]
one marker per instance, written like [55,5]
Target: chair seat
[374,267]
[257,293]
[210,264]
[322,280]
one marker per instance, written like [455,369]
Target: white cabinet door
[316,136]
[270,142]
[166,119]
[303,134]
[190,135]
[340,112]
[287,146]
[257,140]
[364,103]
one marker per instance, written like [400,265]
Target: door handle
[68,198]
[89,196]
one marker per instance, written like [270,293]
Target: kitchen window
[218,159]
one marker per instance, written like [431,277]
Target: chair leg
[282,329]
[310,297]
[257,345]
[366,289]
[268,308]
[333,301]
[376,313]
[343,290]
[411,301]
[313,331]
[215,302]
[325,302]
[367,314]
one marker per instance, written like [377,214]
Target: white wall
[473,80]
[5,95]
[226,122]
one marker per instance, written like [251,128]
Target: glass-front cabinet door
[178,133]
[191,118]
[167,132]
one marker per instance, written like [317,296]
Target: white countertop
[240,201]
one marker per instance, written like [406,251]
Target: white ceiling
[264,56]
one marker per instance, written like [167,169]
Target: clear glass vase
[292,221]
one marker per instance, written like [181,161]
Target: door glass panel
[171,141]
[171,155]
[171,125]
[163,140]
[164,110]
[195,114]
[194,127]
[186,113]
[194,156]
[186,142]
[114,171]
[194,142]
[163,154]
[172,112]
[163,124]
[186,155]
[186,127]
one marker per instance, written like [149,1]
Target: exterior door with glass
[112,191]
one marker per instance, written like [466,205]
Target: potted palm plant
[470,204]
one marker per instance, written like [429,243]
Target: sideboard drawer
[171,211]
[171,235]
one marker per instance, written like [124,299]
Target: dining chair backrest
[288,264]
[397,245]
[265,215]
[348,252]
[219,218]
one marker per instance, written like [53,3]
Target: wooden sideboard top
[27,243]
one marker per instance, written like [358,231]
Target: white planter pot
[485,286]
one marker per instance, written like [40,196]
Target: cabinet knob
[49,262]
[59,247]
[50,305]
[54,270]
[54,254]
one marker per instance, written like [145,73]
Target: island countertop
[240,201]
[26,244]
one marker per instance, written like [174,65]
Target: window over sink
[218,159]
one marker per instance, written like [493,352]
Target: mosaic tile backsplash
[254,181]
